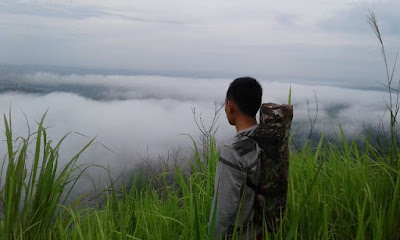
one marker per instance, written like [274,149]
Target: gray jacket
[233,200]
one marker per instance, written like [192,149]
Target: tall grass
[30,194]
[393,106]
[335,192]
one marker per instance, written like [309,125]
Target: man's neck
[245,123]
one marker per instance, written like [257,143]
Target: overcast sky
[302,41]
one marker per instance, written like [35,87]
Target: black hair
[246,93]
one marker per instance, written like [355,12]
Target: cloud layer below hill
[141,116]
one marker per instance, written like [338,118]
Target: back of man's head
[246,93]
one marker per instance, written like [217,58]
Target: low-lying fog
[141,117]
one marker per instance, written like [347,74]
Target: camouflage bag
[272,136]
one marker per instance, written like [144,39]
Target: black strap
[229,164]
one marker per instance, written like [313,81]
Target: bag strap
[250,183]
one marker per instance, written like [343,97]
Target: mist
[134,118]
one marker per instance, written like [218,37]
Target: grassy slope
[355,195]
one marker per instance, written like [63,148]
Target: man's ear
[230,106]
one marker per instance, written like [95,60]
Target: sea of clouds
[142,117]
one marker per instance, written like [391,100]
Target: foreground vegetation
[336,191]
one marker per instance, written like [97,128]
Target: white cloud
[150,96]
[157,110]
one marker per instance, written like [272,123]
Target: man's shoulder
[230,156]
[244,144]
[239,150]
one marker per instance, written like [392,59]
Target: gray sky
[302,41]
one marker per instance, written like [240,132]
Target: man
[233,200]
